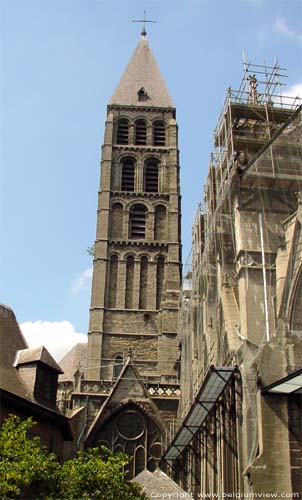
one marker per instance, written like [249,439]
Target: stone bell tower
[132,362]
[137,261]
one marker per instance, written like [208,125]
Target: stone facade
[136,273]
[242,308]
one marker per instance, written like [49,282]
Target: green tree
[97,474]
[28,471]
[24,464]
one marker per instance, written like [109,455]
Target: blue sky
[60,62]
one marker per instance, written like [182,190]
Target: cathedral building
[125,394]
[240,324]
[204,380]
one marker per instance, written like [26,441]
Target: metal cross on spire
[144,21]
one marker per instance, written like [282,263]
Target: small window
[151,176]
[46,384]
[140,133]
[128,174]
[118,365]
[138,222]
[142,94]
[159,133]
[122,136]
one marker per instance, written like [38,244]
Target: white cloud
[82,281]
[291,94]
[283,28]
[295,90]
[57,336]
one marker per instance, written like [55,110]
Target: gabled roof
[129,388]
[158,485]
[11,339]
[34,355]
[72,361]
[142,72]
[12,386]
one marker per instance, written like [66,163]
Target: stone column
[151,300]
[121,285]
[136,285]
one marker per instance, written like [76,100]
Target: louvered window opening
[159,134]
[140,133]
[138,222]
[128,176]
[122,132]
[151,177]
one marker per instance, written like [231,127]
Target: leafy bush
[28,471]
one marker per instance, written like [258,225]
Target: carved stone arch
[160,202]
[133,427]
[141,201]
[295,304]
[143,254]
[125,154]
[159,118]
[148,156]
[115,252]
[117,199]
[158,255]
[127,254]
[142,117]
[145,408]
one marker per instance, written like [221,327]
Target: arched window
[117,221]
[138,222]
[160,224]
[143,288]
[160,273]
[118,365]
[122,135]
[151,176]
[159,133]
[128,174]
[140,133]
[112,281]
[129,282]
[135,433]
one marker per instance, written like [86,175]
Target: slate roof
[72,360]
[142,71]
[11,383]
[11,339]
[158,485]
[34,355]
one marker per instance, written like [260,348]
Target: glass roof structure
[287,385]
[208,395]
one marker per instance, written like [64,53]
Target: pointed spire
[142,83]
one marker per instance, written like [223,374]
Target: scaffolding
[257,147]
